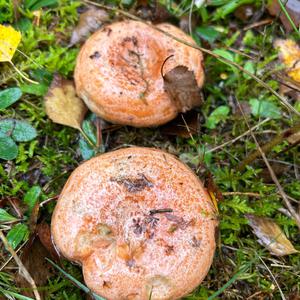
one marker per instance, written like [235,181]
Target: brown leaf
[293,9]
[89,21]
[33,258]
[62,105]
[278,168]
[289,53]
[181,85]
[270,235]
[44,234]
[244,12]
[153,11]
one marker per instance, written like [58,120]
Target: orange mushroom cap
[119,72]
[140,222]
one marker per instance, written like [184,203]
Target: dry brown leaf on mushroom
[89,21]
[182,87]
[270,235]
[62,105]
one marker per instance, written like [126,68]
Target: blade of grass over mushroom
[15,295]
[230,281]
[74,280]
[282,99]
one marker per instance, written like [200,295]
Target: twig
[23,271]
[207,51]
[273,277]
[190,17]
[289,206]
[10,258]
[48,200]
[187,128]
[268,146]
[257,195]
[257,24]
[238,137]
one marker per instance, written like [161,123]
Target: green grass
[47,160]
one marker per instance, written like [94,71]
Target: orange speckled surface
[118,72]
[139,221]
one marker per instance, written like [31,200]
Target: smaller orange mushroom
[120,69]
[140,223]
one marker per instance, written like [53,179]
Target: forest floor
[258,197]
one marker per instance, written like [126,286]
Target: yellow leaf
[270,235]
[62,105]
[289,53]
[9,41]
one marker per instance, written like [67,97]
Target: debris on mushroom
[130,73]
[123,238]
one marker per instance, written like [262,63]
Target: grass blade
[75,281]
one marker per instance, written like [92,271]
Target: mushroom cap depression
[119,72]
[139,222]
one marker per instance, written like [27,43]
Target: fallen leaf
[62,105]
[289,53]
[270,235]
[44,233]
[9,41]
[181,85]
[293,9]
[33,258]
[89,21]
[244,12]
[278,168]
[153,11]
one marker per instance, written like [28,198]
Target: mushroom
[139,222]
[119,72]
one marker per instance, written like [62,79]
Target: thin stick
[21,74]
[238,137]
[187,128]
[23,271]
[268,146]
[190,17]
[289,206]
[10,258]
[48,200]
[257,195]
[273,277]
[257,24]
[192,45]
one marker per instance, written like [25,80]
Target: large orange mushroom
[139,222]
[120,69]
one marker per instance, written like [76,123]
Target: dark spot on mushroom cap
[134,184]
[96,54]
